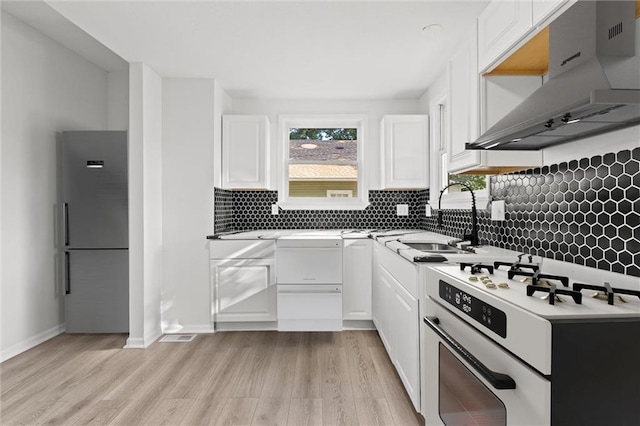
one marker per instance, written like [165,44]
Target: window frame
[285,122]
[440,134]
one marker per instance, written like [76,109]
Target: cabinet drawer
[401,269]
[241,249]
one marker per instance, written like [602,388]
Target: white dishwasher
[309,282]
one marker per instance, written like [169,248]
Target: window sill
[324,204]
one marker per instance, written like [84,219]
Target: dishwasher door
[309,260]
[309,279]
[309,307]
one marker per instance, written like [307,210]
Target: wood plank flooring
[227,378]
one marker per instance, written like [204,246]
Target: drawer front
[401,269]
[310,302]
[309,265]
[241,249]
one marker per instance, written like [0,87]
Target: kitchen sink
[431,247]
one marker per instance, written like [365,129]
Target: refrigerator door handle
[65,222]
[67,273]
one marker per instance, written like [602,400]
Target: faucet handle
[475,241]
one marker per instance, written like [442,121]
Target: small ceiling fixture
[432,30]
[309,146]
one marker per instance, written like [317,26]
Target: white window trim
[439,134]
[285,122]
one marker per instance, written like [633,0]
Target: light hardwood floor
[242,378]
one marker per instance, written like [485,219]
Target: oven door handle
[497,380]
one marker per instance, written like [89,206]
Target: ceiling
[304,49]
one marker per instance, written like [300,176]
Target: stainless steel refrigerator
[96,231]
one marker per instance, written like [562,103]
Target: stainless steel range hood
[593,85]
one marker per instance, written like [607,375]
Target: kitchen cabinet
[396,316]
[243,281]
[245,152]
[476,103]
[356,279]
[501,25]
[463,107]
[543,9]
[405,147]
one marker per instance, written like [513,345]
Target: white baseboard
[142,342]
[31,342]
[358,325]
[135,343]
[247,326]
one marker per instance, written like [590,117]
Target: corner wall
[46,88]
[145,205]
[188,132]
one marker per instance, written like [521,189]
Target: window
[454,196]
[322,163]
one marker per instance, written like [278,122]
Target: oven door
[469,379]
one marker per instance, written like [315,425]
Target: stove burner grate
[536,276]
[476,268]
[608,291]
[516,266]
[554,291]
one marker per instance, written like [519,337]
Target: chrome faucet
[473,237]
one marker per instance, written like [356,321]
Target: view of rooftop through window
[323,162]
[476,182]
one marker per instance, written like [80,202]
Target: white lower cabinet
[356,279]
[382,312]
[406,356]
[243,281]
[396,316]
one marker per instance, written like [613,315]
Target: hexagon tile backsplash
[585,211]
[250,210]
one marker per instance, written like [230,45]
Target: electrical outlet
[274,209]
[402,209]
[497,210]
[427,210]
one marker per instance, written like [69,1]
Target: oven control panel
[487,315]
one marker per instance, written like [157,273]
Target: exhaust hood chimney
[593,85]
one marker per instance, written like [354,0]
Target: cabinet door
[384,314]
[406,354]
[542,9]
[245,152]
[405,151]
[356,287]
[244,290]
[500,27]
[463,107]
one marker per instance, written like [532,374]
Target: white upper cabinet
[542,9]
[500,26]
[405,147]
[245,152]
[463,107]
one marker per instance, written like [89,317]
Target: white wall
[118,100]
[145,205]
[188,132]
[46,88]
[374,109]
[616,141]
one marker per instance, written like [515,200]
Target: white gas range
[502,351]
